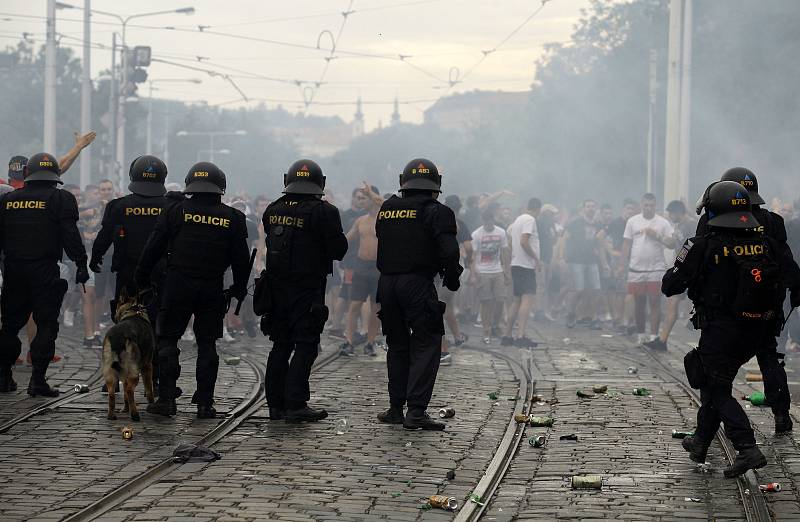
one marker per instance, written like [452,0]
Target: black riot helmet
[747,179]
[147,175]
[304,177]
[205,177]
[728,206]
[42,167]
[421,174]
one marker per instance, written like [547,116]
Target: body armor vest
[404,246]
[294,248]
[202,242]
[31,229]
[139,216]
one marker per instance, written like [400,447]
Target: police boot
[750,458]
[7,383]
[305,414]
[276,413]
[206,411]
[162,406]
[783,423]
[696,448]
[418,419]
[38,384]
[393,415]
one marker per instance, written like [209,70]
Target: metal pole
[166,138]
[122,96]
[686,103]
[672,146]
[86,93]
[149,144]
[651,119]
[50,80]
[211,152]
[112,109]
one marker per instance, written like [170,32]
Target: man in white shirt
[523,238]
[490,271]
[645,238]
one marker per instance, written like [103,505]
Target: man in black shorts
[365,273]
[523,238]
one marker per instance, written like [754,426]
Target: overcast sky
[444,39]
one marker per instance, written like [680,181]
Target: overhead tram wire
[331,56]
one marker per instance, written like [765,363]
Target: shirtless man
[365,272]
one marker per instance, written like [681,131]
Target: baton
[249,271]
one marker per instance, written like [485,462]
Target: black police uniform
[709,267]
[203,237]
[127,224]
[37,224]
[416,240]
[770,361]
[303,238]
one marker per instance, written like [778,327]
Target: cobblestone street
[69,457]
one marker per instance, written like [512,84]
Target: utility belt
[702,315]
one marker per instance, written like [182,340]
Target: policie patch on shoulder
[684,251]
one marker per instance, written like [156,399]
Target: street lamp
[122,99]
[211,153]
[211,135]
[149,142]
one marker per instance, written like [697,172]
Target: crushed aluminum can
[447,413]
[81,388]
[691,499]
[772,487]
[753,377]
[537,441]
[681,434]
[600,388]
[641,392]
[587,482]
[633,370]
[540,422]
[443,502]
[584,395]
[537,398]
[127,433]
[232,361]
[522,418]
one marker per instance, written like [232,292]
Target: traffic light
[137,59]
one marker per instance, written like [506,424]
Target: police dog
[128,352]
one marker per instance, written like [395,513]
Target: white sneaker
[188,335]
[69,318]
[446,359]
[227,337]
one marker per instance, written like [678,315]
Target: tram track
[752,499]
[246,409]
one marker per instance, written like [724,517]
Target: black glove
[237,293]
[95,264]
[81,275]
[451,281]
[794,297]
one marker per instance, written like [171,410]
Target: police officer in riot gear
[203,237]
[770,361]
[37,224]
[735,276]
[303,236]
[416,240]
[128,222]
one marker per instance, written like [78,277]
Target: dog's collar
[136,311]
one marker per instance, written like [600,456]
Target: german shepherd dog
[128,352]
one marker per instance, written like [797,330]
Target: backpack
[758,280]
